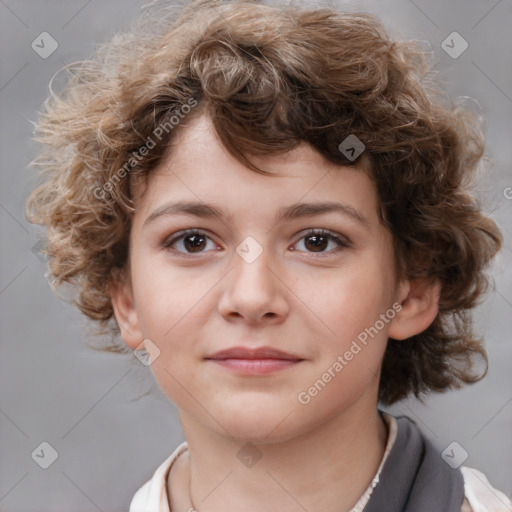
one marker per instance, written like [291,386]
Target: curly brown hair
[271,79]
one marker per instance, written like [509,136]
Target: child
[335,252]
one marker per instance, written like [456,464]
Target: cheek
[167,297]
[349,322]
[170,319]
[346,301]
[172,306]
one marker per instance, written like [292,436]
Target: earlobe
[420,305]
[121,295]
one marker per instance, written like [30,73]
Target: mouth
[260,361]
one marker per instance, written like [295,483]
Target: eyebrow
[294,211]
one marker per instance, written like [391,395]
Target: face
[310,285]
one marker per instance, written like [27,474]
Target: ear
[121,295]
[419,299]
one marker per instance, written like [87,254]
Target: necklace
[192,508]
[362,501]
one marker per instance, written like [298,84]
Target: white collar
[153,495]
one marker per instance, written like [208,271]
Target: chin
[259,433]
[260,423]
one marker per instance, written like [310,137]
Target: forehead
[197,167]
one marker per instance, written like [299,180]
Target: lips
[254,354]
[258,362]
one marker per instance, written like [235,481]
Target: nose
[254,292]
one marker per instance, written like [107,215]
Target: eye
[316,240]
[191,240]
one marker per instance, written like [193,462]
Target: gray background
[102,412]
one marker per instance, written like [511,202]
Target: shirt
[480,495]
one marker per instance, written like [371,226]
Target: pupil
[198,241]
[317,244]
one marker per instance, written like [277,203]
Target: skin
[312,302]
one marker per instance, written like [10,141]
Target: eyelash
[342,242]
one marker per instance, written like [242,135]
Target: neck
[327,469]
